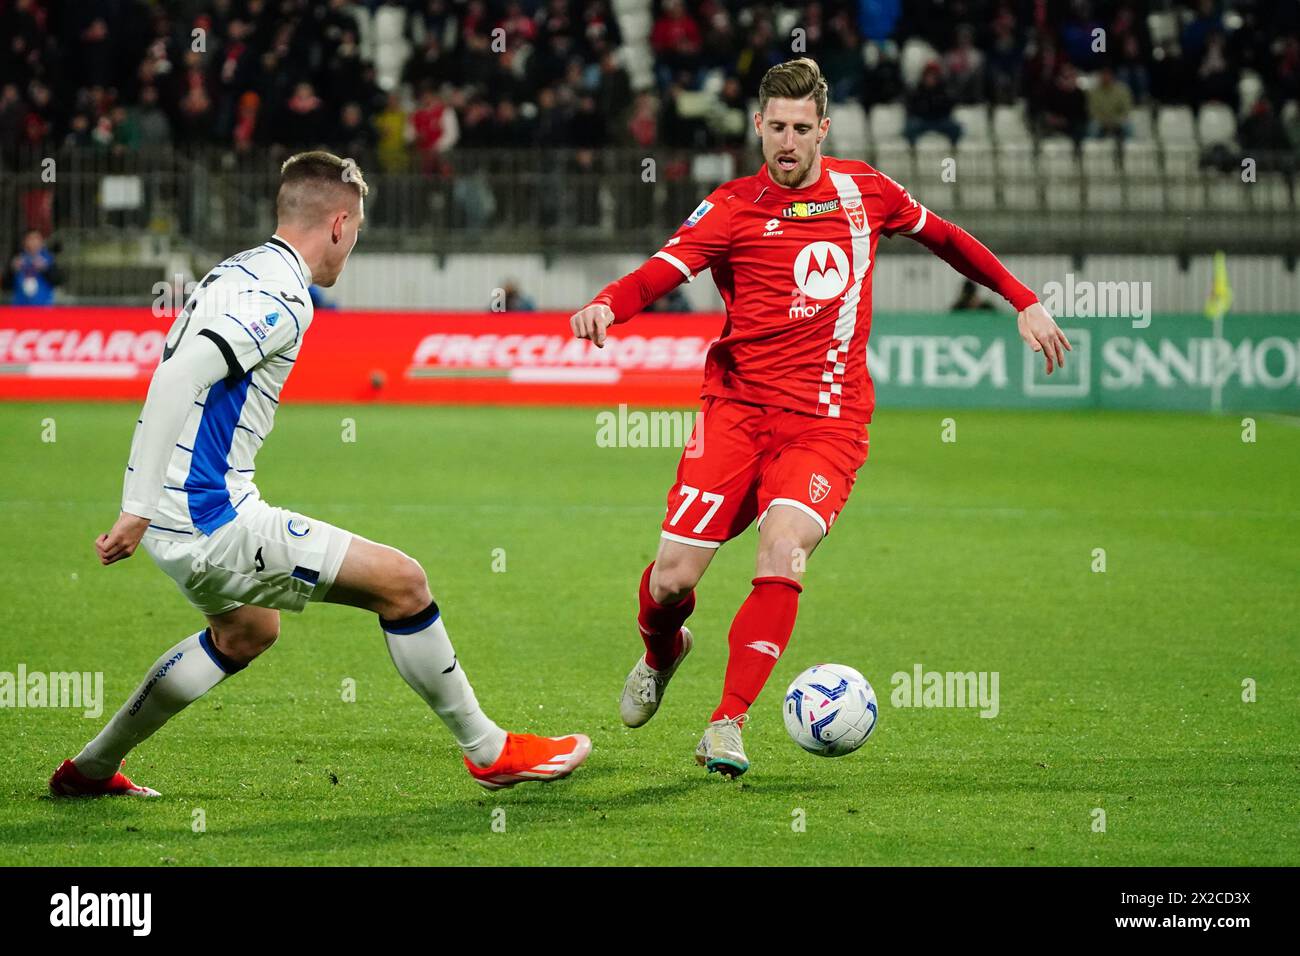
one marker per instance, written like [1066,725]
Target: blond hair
[308,181]
[794,80]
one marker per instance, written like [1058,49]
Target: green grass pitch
[1119,690]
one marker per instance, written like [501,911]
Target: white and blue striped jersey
[255,307]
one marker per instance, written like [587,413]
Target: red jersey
[794,270]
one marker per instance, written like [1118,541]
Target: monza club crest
[857,214]
[818,488]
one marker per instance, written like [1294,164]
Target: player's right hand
[122,539]
[591,323]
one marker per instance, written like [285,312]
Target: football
[830,710]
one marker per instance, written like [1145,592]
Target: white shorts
[267,556]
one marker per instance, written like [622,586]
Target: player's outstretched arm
[624,298]
[177,383]
[591,322]
[1042,334]
[972,258]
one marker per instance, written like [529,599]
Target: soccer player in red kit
[787,395]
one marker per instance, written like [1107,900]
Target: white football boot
[643,691]
[720,748]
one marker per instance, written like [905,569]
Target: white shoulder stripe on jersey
[675,261]
[920,223]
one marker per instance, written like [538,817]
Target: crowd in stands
[403,83]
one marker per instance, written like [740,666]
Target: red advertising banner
[449,357]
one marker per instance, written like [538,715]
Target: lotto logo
[821,270]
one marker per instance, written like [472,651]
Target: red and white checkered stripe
[831,390]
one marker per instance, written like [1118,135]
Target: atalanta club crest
[857,215]
[818,488]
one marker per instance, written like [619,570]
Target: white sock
[181,676]
[420,648]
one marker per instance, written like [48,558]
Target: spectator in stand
[970,300]
[430,66]
[1080,36]
[676,42]
[718,46]
[394,133]
[1216,78]
[304,122]
[1110,106]
[1005,61]
[1065,109]
[436,130]
[929,107]
[32,273]
[195,105]
[1041,67]
[841,60]
[1263,136]
[643,125]
[964,67]
[512,299]
[13,114]
[1196,34]
[600,32]
[151,121]
[1132,70]
[356,136]
[245,135]
[613,88]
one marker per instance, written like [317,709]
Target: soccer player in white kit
[190,501]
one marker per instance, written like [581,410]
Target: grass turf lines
[1119,690]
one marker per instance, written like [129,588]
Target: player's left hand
[1042,334]
[122,539]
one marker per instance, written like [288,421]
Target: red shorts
[755,456]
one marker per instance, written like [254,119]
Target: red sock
[758,637]
[661,625]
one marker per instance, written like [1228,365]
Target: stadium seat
[1140,122]
[710,169]
[1143,191]
[1101,175]
[1017,177]
[1226,192]
[976,176]
[934,142]
[1184,183]
[974,122]
[1270,193]
[1059,166]
[894,159]
[1100,158]
[848,136]
[1009,123]
[1163,27]
[915,55]
[887,121]
[1216,125]
[1249,89]
[928,182]
[1175,125]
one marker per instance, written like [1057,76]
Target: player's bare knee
[409,592]
[783,555]
[243,642]
[671,582]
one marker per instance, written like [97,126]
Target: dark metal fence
[121,216]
